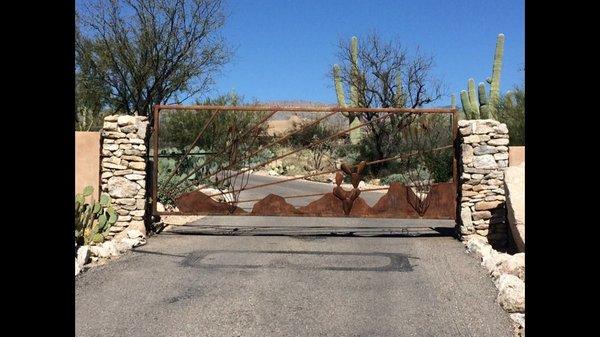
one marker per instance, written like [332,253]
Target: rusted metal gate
[304,161]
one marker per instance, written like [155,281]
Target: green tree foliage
[133,54]
[511,111]
[179,128]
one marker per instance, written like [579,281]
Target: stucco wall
[516,155]
[87,161]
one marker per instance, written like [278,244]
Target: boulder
[119,187]
[511,295]
[83,255]
[478,247]
[512,265]
[110,248]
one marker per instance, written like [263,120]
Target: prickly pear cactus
[94,219]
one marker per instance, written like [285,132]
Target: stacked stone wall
[123,169]
[483,159]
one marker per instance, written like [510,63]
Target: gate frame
[275,108]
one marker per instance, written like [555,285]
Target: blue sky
[284,48]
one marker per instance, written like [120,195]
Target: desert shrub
[394,178]
[511,111]
[420,174]
[261,157]
[179,128]
[439,164]
[167,163]
[320,139]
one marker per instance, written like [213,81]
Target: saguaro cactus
[355,135]
[478,105]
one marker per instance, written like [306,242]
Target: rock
[113,166]
[467,153]
[113,134]
[511,265]
[469,193]
[125,218]
[137,165]
[83,255]
[125,201]
[125,146]
[133,158]
[139,226]
[464,122]
[501,156]
[273,172]
[465,217]
[133,152]
[139,212]
[501,128]
[110,147]
[114,160]
[481,129]
[126,120]
[481,215]
[77,267]
[129,129]
[111,248]
[119,187]
[466,130]
[498,141]
[478,247]
[160,207]
[519,319]
[134,234]
[135,176]
[485,149]
[485,205]
[123,172]
[472,139]
[131,243]
[99,251]
[106,175]
[485,161]
[109,126]
[511,295]
[111,118]
[482,232]
[124,245]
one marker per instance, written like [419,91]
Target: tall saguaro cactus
[355,135]
[479,105]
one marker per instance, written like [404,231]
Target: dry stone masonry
[123,170]
[484,157]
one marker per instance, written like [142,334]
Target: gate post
[123,170]
[483,157]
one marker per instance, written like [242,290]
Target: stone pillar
[123,170]
[482,161]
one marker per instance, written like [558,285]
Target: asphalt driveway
[193,285]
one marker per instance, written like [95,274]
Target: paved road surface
[294,187]
[261,286]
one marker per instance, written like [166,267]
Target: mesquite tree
[383,74]
[146,52]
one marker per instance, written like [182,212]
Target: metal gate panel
[218,172]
